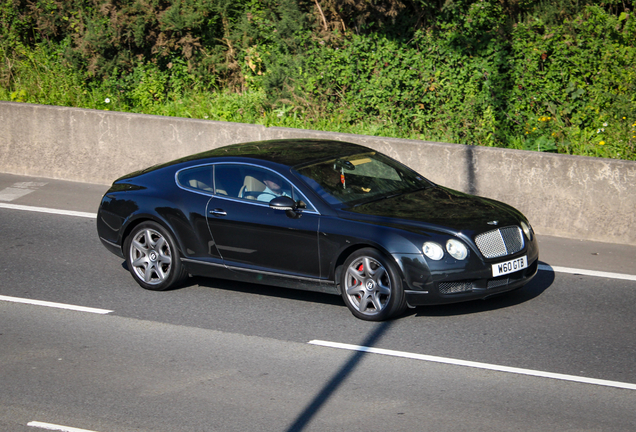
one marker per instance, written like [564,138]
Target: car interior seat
[220,189]
[252,187]
[198,184]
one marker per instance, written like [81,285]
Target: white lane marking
[11,193]
[18,190]
[49,210]
[55,305]
[575,271]
[29,185]
[51,426]
[477,365]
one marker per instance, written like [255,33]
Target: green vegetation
[555,76]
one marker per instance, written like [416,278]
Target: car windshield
[360,178]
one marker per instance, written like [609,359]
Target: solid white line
[51,426]
[55,305]
[478,365]
[575,271]
[48,210]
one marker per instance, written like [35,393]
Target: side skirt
[222,271]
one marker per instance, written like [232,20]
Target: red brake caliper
[360,269]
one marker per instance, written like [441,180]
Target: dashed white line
[477,365]
[51,426]
[48,210]
[54,305]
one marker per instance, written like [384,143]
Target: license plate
[509,266]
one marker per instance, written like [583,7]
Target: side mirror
[283,203]
[287,204]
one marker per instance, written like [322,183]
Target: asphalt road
[223,356]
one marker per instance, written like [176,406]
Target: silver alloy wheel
[368,285]
[150,256]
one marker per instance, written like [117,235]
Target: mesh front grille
[454,287]
[496,283]
[500,242]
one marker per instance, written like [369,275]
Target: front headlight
[433,251]
[456,249]
[527,229]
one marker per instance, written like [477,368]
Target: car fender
[339,238]
[138,218]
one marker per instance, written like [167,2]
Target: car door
[250,235]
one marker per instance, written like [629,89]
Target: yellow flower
[601,143]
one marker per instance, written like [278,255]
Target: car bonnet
[439,207]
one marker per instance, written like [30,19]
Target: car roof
[289,152]
[294,152]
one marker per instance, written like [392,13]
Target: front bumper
[472,281]
[465,290]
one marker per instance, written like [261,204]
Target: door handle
[218,212]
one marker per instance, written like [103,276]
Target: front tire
[153,258]
[371,286]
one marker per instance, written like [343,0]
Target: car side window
[199,178]
[262,185]
[252,183]
[228,180]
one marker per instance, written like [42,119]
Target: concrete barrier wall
[568,196]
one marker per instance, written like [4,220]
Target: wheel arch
[347,252]
[146,217]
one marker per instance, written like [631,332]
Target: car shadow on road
[541,282]
[266,290]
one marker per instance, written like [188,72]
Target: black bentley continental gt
[316,215]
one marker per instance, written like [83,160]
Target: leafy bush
[549,76]
[576,84]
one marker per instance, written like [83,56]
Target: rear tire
[371,286]
[153,258]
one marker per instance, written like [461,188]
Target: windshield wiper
[380,198]
[384,197]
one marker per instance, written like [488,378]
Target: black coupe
[316,215]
